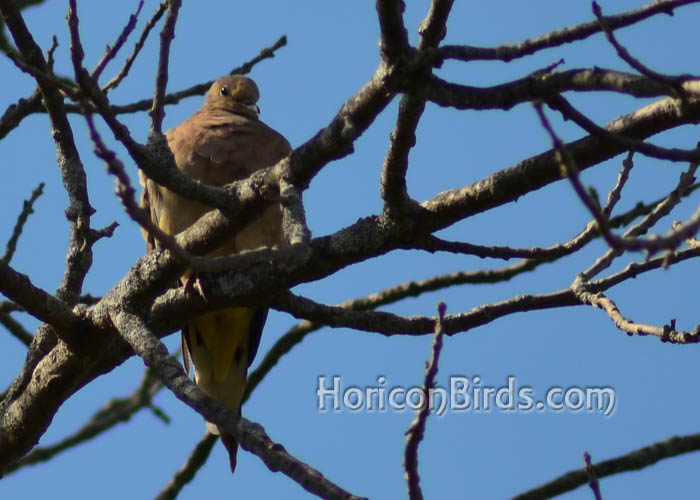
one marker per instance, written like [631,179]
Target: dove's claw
[196,283]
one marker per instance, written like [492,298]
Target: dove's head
[235,93]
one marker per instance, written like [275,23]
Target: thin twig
[615,192]
[114,82]
[167,35]
[510,51]
[194,90]
[570,170]
[416,430]
[50,53]
[593,480]
[27,210]
[666,333]
[569,112]
[115,411]
[662,208]
[111,52]
[45,76]
[186,473]
[623,53]
[16,329]
[635,460]
[15,113]
[126,194]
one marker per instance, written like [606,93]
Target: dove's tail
[222,344]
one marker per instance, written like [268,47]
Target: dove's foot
[195,282]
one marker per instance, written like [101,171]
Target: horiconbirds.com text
[464,394]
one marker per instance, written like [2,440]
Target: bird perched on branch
[222,142]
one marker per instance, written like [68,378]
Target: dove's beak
[253,107]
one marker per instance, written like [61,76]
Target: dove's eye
[224,91]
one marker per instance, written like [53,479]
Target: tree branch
[186,473]
[115,411]
[634,460]
[251,437]
[416,430]
[111,52]
[510,51]
[167,35]
[27,210]
[114,82]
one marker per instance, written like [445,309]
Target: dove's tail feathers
[221,345]
[231,445]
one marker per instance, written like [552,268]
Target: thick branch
[393,41]
[542,85]
[79,257]
[35,301]
[250,436]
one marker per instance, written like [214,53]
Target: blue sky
[332,51]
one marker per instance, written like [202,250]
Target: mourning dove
[222,142]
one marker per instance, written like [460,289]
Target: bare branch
[195,90]
[634,269]
[510,51]
[661,209]
[115,411]
[166,37]
[15,113]
[571,172]
[293,214]
[635,460]
[416,430]
[434,27]
[403,138]
[623,53]
[614,194]
[251,436]
[186,473]
[542,84]
[394,38]
[126,194]
[35,301]
[435,244]
[651,245]
[8,307]
[27,210]
[79,258]
[16,329]
[388,296]
[114,82]
[672,154]
[50,53]
[666,333]
[40,74]
[533,173]
[593,480]
[112,51]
